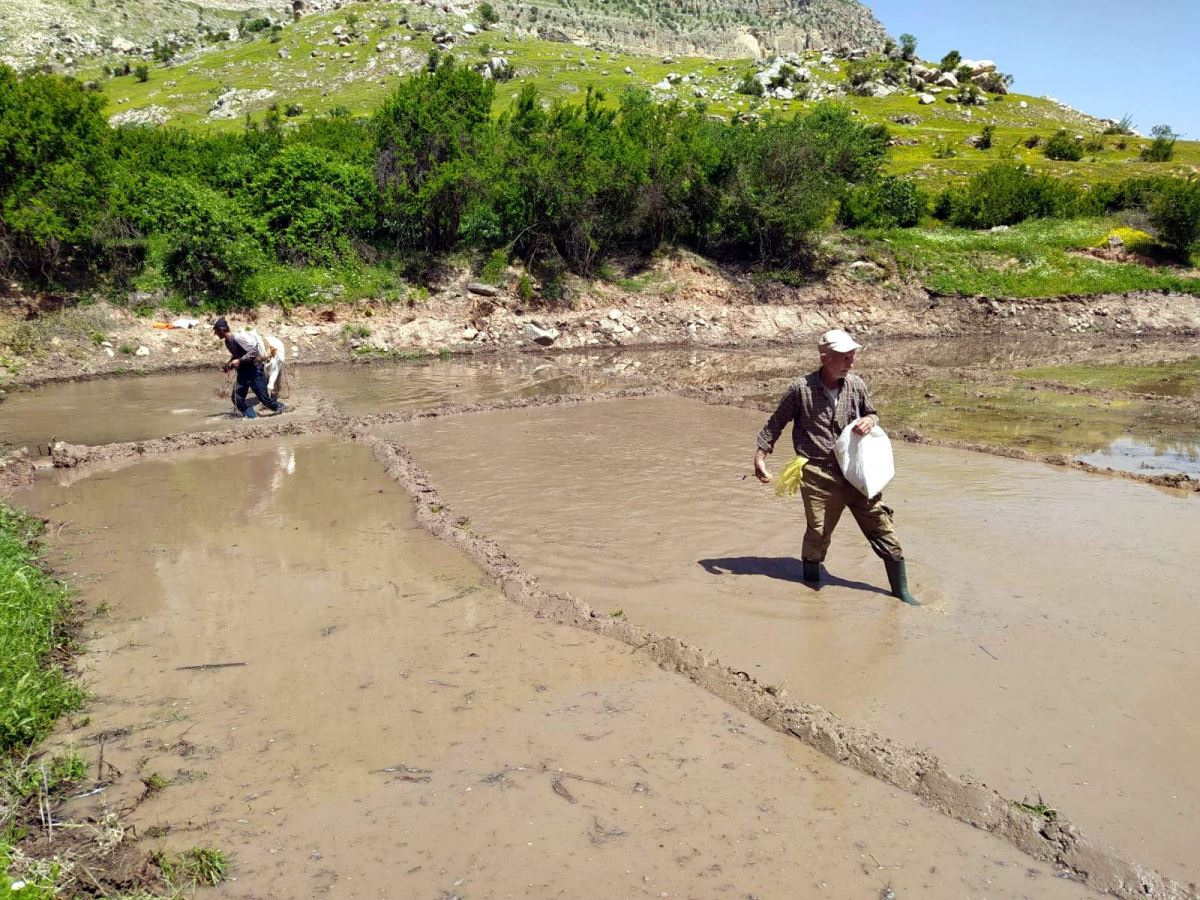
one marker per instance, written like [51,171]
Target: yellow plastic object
[788,481]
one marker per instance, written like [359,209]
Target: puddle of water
[1129,455]
[400,729]
[1052,657]
[106,411]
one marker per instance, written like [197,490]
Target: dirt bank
[687,303]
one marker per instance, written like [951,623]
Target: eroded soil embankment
[914,771]
[708,310]
[377,720]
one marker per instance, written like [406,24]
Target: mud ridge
[401,417]
[18,469]
[1053,840]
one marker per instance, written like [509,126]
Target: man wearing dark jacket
[245,357]
[820,406]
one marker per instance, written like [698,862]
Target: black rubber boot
[812,571]
[898,580]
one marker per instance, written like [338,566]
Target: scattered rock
[925,99]
[469,334]
[150,115]
[484,290]
[142,350]
[539,335]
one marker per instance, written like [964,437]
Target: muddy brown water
[401,730]
[1054,656]
[111,410]
[129,409]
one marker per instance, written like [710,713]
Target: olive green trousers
[826,494]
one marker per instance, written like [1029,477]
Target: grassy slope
[1029,261]
[188,90]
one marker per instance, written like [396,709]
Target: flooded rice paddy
[1052,657]
[1089,404]
[390,726]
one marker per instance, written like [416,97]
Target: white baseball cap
[838,341]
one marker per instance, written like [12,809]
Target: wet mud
[1054,602]
[352,708]
[513,485]
[1090,404]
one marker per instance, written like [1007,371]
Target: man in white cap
[820,406]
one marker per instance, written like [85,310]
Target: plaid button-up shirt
[816,421]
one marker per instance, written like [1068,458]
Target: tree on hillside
[950,61]
[54,169]
[1175,213]
[426,134]
[908,47]
[1163,148]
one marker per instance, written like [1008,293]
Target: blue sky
[1104,57]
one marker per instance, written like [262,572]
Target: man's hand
[864,425]
[760,467]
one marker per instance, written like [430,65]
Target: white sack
[866,460]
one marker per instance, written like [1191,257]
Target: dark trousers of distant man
[252,378]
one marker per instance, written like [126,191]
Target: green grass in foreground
[1176,379]
[1031,260]
[34,609]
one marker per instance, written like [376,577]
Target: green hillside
[352,58]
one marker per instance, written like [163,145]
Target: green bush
[487,13]
[493,270]
[908,47]
[426,135]
[1063,146]
[887,202]
[210,244]
[984,141]
[950,61]
[751,87]
[55,170]
[1006,193]
[787,178]
[1175,215]
[1122,127]
[1163,147]
[142,73]
[314,205]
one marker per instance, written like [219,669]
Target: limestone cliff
[713,28]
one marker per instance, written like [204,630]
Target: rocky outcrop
[726,29]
